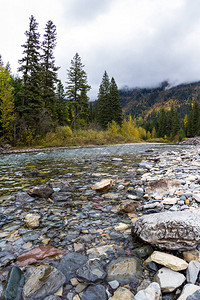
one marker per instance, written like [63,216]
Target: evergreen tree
[7,115]
[31,70]
[103,102]
[190,122]
[62,110]
[115,106]
[162,131]
[49,70]
[77,88]
[196,118]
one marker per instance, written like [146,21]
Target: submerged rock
[43,191]
[103,185]
[170,230]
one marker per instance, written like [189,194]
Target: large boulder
[169,230]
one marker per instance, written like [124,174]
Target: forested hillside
[140,102]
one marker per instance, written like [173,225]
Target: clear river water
[20,171]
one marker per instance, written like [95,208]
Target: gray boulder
[169,230]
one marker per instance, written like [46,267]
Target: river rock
[192,255]
[43,191]
[70,263]
[122,293]
[128,206]
[152,292]
[192,271]
[61,186]
[169,280]
[37,254]
[97,292]
[61,196]
[52,297]
[194,296]
[170,230]
[103,185]
[32,220]
[44,281]
[14,285]
[125,269]
[188,290]
[170,261]
[91,271]
[162,186]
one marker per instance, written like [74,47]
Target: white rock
[188,290]
[192,271]
[169,280]
[170,201]
[170,261]
[152,292]
[32,220]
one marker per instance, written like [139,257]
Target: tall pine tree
[103,110]
[115,106]
[49,70]
[77,88]
[31,71]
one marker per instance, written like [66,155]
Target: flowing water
[20,171]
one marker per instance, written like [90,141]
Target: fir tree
[31,71]
[49,70]
[62,110]
[103,102]
[196,118]
[77,88]
[115,106]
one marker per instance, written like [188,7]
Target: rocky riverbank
[129,233]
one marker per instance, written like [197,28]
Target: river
[23,170]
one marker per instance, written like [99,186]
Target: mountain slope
[142,101]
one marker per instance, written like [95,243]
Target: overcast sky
[138,42]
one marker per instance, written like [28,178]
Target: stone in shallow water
[70,263]
[162,186]
[171,230]
[169,280]
[43,281]
[170,261]
[125,269]
[14,285]
[103,185]
[43,191]
[92,271]
[122,294]
[152,292]
[97,292]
